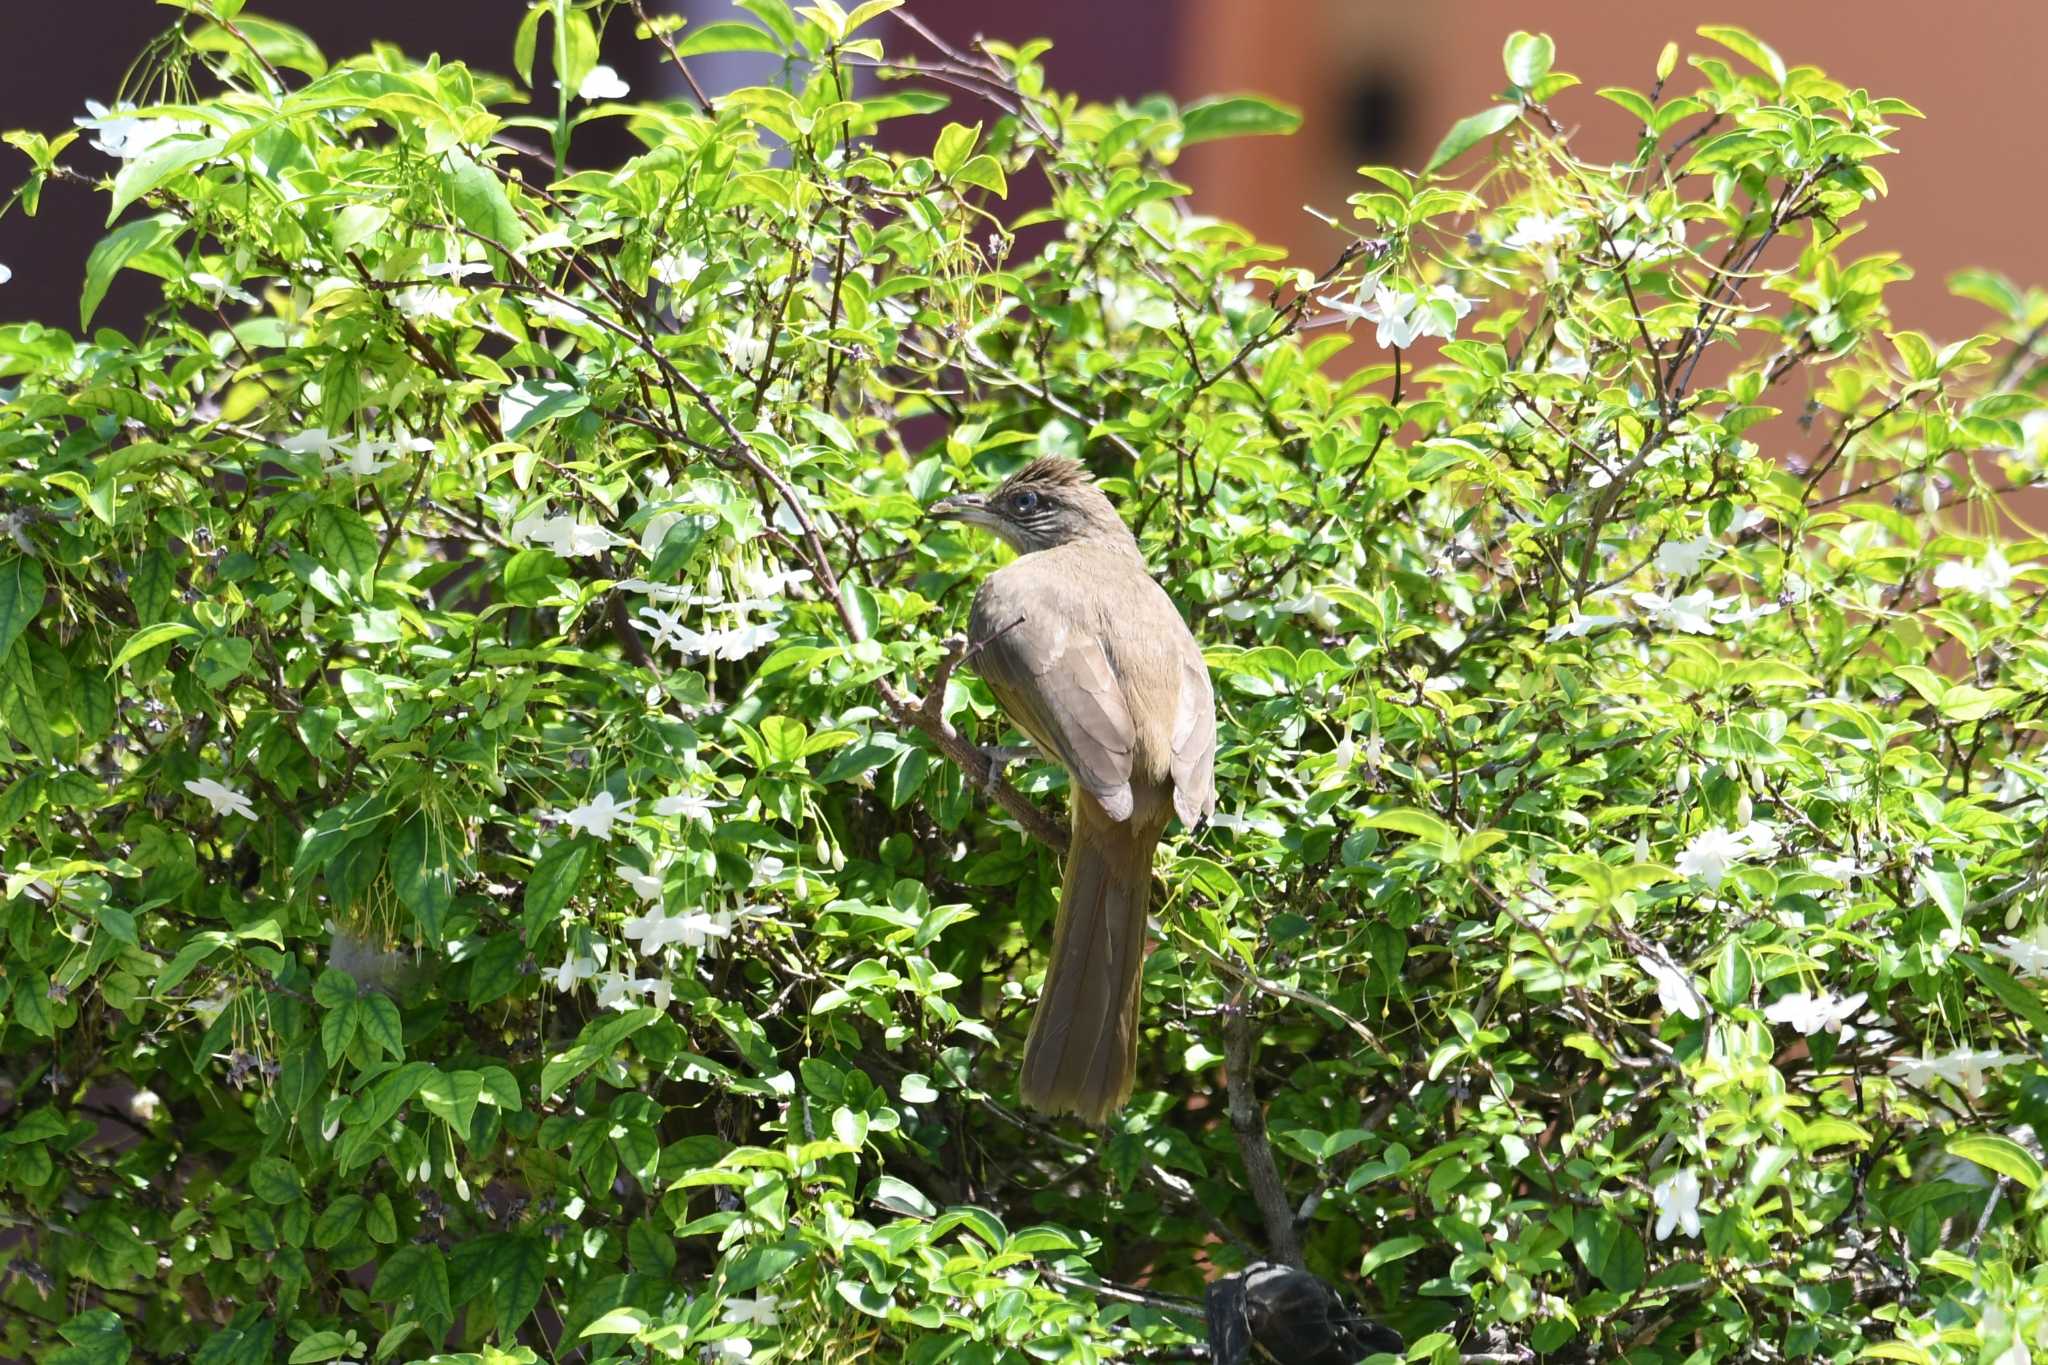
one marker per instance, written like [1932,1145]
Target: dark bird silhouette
[1275,1313]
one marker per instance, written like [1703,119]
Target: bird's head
[1048,502]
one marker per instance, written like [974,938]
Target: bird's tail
[1082,1052]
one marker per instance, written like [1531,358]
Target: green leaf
[422,860]
[338,1029]
[274,1180]
[164,159]
[1236,116]
[1468,132]
[125,245]
[338,1220]
[21,704]
[1746,45]
[597,1041]
[344,541]
[517,1270]
[453,1097]
[725,35]
[97,1337]
[478,198]
[1527,57]
[1389,1251]
[526,405]
[379,1021]
[21,597]
[553,881]
[148,638]
[2000,1154]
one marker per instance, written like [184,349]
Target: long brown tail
[1082,1052]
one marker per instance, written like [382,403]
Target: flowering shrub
[497,857]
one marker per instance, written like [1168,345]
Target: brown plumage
[1088,657]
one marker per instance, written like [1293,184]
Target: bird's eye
[1026,502]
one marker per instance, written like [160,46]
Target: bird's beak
[971,508]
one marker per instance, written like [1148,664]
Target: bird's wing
[1054,680]
[1194,737]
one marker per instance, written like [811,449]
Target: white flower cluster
[1405,315]
[756,589]
[123,135]
[1963,1068]
[564,535]
[361,458]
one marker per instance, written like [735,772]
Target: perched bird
[1088,657]
[1269,1312]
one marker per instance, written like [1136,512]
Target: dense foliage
[1623,927]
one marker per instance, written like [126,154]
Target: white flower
[362,458]
[1742,616]
[646,885]
[1762,838]
[2028,956]
[564,535]
[225,800]
[667,628]
[427,301]
[1823,1012]
[219,287]
[1675,991]
[701,929]
[676,269]
[655,930]
[740,641]
[122,135]
[555,310]
[1712,852]
[728,1351]
[1542,233]
[745,351]
[602,83]
[142,1105]
[572,970]
[312,441]
[596,816]
[1581,625]
[764,582]
[1843,870]
[1683,558]
[657,990]
[615,991]
[761,1309]
[1988,577]
[1691,613]
[660,592]
[1962,1068]
[688,805]
[1677,1198]
[6,274]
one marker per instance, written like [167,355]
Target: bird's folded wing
[1194,738]
[1055,682]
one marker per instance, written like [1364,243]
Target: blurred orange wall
[1967,187]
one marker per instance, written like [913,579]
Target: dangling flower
[225,800]
[1677,1200]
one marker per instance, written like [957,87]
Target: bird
[1271,1312]
[1089,658]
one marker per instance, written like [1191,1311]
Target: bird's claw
[1001,756]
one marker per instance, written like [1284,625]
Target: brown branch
[1248,1121]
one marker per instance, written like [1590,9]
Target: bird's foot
[1001,756]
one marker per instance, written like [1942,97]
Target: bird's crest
[1049,471]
